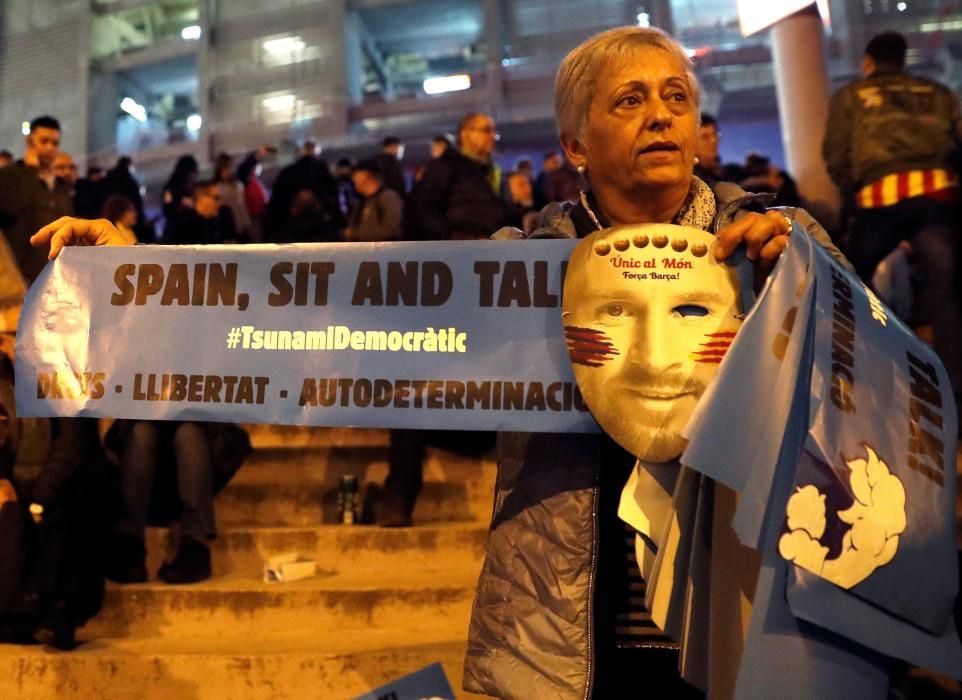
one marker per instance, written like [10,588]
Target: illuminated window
[286,50]
[447,83]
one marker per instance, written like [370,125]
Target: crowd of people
[84,517]
[460,193]
[897,179]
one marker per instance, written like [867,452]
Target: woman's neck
[647,206]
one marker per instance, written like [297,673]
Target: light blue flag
[821,602]
[882,436]
[849,476]
[763,363]
[871,523]
[789,659]
[429,682]
[811,662]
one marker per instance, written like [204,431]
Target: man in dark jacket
[708,165]
[459,196]
[120,180]
[542,185]
[31,196]
[889,122]
[888,146]
[457,199]
[389,159]
[377,216]
[519,201]
[308,172]
[52,524]
[206,222]
[88,196]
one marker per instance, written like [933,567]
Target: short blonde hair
[578,73]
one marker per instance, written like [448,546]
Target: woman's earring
[697,161]
[581,169]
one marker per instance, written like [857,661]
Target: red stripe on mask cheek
[714,347]
[588,346]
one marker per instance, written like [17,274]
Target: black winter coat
[27,204]
[306,173]
[55,566]
[453,201]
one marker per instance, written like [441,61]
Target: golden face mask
[649,314]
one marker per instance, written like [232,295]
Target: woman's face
[642,125]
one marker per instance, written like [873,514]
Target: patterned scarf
[698,210]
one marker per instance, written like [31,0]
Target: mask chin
[665,447]
[658,444]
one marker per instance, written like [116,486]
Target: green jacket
[887,123]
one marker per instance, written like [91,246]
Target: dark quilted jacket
[453,201]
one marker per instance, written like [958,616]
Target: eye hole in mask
[686,310]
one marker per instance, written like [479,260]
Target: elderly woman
[559,611]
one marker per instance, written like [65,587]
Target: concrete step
[326,465]
[293,477]
[267,436]
[339,548]
[281,667]
[306,504]
[386,602]
[407,600]
[311,464]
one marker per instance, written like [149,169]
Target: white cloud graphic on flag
[877,518]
